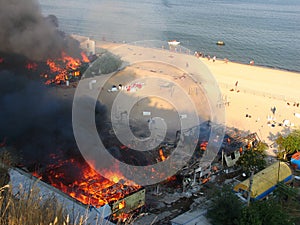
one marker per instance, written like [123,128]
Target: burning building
[98,198]
[73,176]
[36,120]
[65,69]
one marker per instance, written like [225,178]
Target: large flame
[83,183]
[64,68]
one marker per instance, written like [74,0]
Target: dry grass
[28,208]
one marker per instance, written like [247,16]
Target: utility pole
[278,173]
[250,188]
[222,159]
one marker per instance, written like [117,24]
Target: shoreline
[115,43]
[251,92]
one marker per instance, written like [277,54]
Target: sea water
[266,31]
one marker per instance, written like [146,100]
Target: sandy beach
[256,99]
[259,90]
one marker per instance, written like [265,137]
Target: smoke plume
[25,31]
[34,118]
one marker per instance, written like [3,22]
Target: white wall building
[87,44]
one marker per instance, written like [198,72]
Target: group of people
[295,104]
[202,55]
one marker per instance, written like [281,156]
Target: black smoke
[32,118]
[25,31]
[35,119]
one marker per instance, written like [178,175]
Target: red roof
[296,156]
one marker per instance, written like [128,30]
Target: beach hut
[295,160]
[265,181]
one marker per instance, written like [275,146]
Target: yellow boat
[220,43]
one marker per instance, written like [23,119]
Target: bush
[105,64]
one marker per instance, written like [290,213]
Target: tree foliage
[226,208]
[288,197]
[109,63]
[267,212]
[253,159]
[261,147]
[289,144]
[105,64]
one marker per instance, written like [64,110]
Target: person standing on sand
[214,58]
[273,110]
[236,84]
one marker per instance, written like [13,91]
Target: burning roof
[74,209]
[77,179]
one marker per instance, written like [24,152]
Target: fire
[122,204]
[31,66]
[83,183]
[161,155]
[64,68]
[172,178]
[35,174]
[203,145]
[70,62]
[84,57]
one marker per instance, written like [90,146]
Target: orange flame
[71,63]
[161,155]
[84,57]
[88,186]
[203,145]
[64,67]
[36,174]
[172,178]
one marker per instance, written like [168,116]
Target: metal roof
[265,179]
[24,182]
[196,217]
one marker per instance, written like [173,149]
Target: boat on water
[220,43]
[173,42]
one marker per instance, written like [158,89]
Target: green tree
[289,144]
[261,147]
[226,208]
[288,197]
[105,64]
[250,216]
[267,212]
[253,159]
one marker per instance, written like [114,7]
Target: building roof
[22,182]
[265,179]
[196,217]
